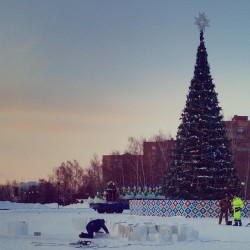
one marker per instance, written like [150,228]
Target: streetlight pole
[247,174]
[58,185]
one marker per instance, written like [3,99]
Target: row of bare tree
[70,181]
[75,182]
[143,163]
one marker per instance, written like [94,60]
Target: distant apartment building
[34,192]
[138,170]
[239,133]
[123,170]
[149,168]
[156,156]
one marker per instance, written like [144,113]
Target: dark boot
[240,223]
[235,223]
[220,218]
[84,235]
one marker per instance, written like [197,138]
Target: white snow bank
[5,205]
[55,228]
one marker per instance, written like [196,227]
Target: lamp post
[58,185]
[248,168]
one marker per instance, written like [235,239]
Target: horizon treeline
[69,181]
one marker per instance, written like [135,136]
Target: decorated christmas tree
[201,165]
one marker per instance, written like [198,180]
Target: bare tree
[96,167]
[68,177]
[117,170]
[135,147]
[93,177]
[6,192]
[160,139]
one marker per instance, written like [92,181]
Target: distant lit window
[241,129]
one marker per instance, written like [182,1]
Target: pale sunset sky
[78,77]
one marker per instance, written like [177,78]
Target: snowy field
[56,228]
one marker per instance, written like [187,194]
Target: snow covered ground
[59,227]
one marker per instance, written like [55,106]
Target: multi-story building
[149,168]
[112,168]
[123,170]
[138,170]
[239,133]
[35,192]
[156,156]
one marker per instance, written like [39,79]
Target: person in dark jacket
[225,207]
[93,227]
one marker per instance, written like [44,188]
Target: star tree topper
[202,21]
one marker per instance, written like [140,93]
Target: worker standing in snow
[237,207]
[225,206]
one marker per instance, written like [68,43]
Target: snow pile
[6,205]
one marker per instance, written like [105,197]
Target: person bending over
[93,227]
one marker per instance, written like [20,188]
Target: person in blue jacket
[93,227]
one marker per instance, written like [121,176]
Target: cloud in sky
[80,77]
